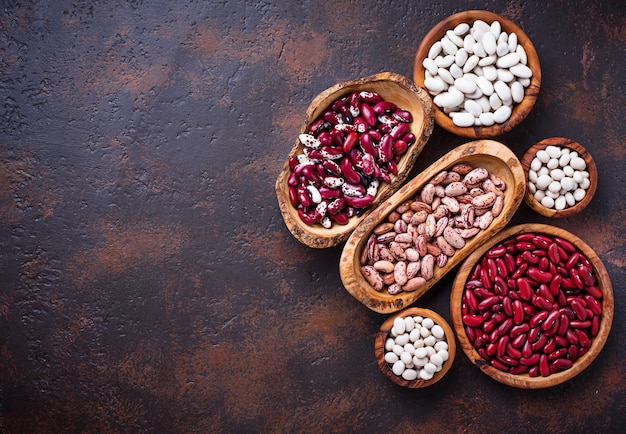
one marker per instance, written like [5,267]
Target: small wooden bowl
[381,337]
[520,111]
[493,156]
[562,142]
[392,87]
[524,381]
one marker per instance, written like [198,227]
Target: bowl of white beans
[561,177]
[415,348]
[481,71]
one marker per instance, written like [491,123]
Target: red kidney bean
[521,270]
[560,365]
[531,360]
[473,320]
[538,275]
[565,244]
[525,237]
[513,352]
[524,246]
[561,341]
[499,365]
[553,254]
[519,341]
[501,346]
[563,324]
[496,252]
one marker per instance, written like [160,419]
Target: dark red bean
[593,304]
[563,324]
[518,370]
[538,275]
[573,260]
[499,365]
[539,343]
[553,254]
[519,340]
[513,352]
[541,302]
[501,346]
[565,244]
[496,252]
[594,291]
[525,290]
[540,242]
[576,324]
[530,258]
[525,237]
[544,365]
[583,338]
[473,320]
[560,365]
[521,270]
[531,360]
[550,345]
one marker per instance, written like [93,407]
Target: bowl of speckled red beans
[533,307]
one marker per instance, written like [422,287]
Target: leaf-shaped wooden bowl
[383,333]
[520,111]
[497,158]
[561,142]
[524,380]
[392,87]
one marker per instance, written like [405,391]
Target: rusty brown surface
[147,281]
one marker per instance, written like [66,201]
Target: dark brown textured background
[147,281]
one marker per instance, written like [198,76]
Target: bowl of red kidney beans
[533,307]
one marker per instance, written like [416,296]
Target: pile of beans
[531,305]
[401,254]
[416,348]
[477,74]
[558,178]
[348,151]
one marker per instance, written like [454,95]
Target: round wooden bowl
[562,142]
[493,156]
[520,111]
[392,87]
[383,333]
[524,381]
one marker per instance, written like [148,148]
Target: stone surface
[147,281]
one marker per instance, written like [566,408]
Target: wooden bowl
[562,142]
[524,380]
[392,87]
[520,111]
[496,158]
[383,333]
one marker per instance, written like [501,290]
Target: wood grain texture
[383,333]
[489,154]
[392,87]
[520,111]
[524,381]
[562,142]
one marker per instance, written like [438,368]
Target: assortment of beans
[477,74]
[348,151]
[531,305]
[416,348]
[558,178]
[401,253]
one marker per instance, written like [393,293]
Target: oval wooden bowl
[392,87]
[381,337]
[520,111]
[562,142]
[524,381]
[496,158]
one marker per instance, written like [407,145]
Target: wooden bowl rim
[520,111]
[385,303]
[383,332]
[524,381]
[573,145]
[309,235]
